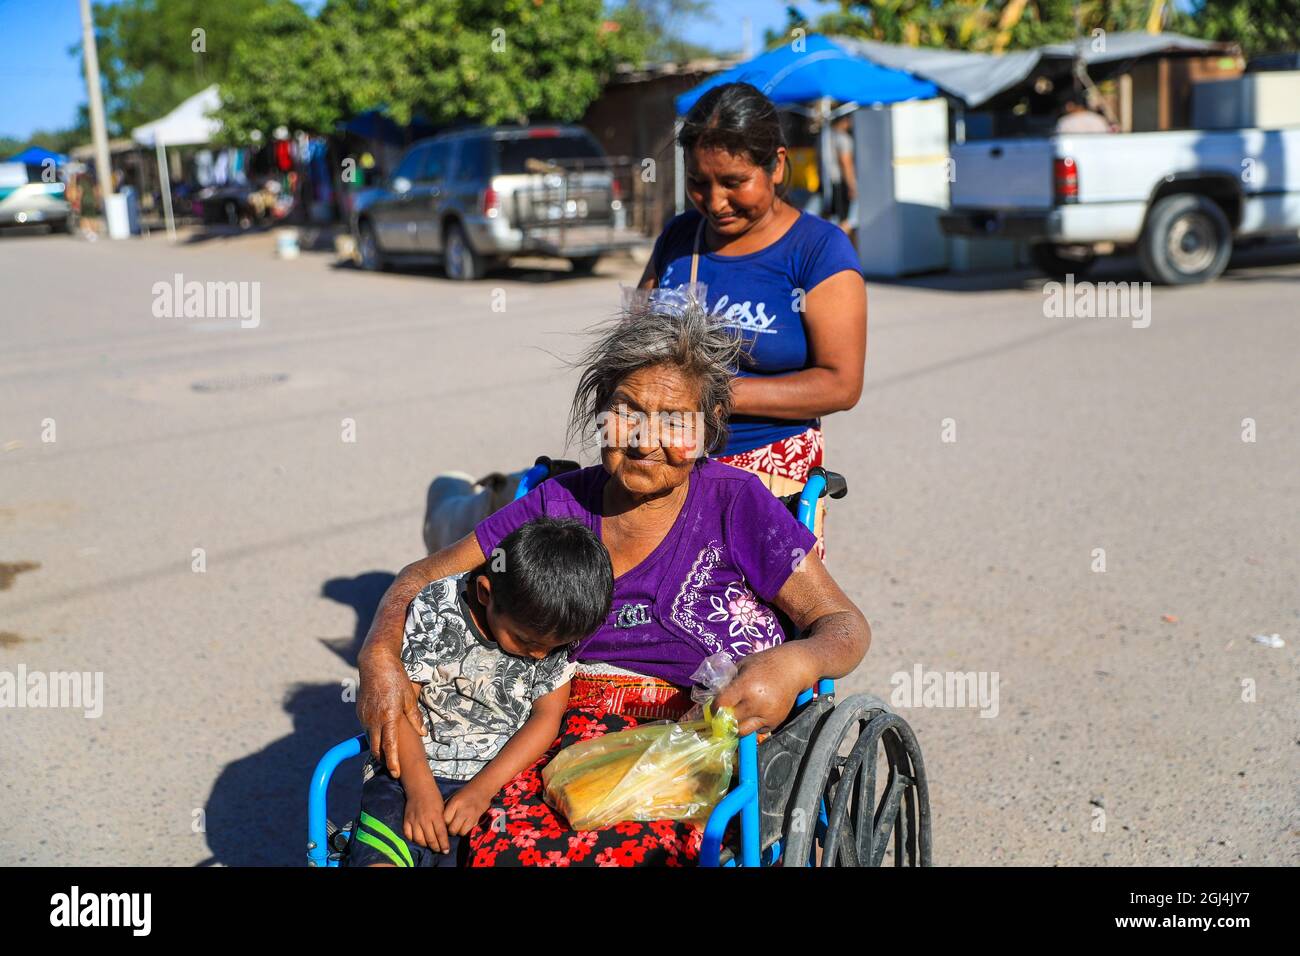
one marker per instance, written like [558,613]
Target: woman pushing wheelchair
[703,558]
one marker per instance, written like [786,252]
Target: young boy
[487,651]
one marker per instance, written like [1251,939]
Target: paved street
[1119,737]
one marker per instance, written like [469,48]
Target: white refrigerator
[902,164]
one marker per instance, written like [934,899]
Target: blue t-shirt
[757,295]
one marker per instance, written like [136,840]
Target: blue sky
[42,85]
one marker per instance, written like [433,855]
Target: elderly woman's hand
[386,696]
[836,636]
[766,684]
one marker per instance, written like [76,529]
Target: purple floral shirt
[706,588]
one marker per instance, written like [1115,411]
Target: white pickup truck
[1179,199]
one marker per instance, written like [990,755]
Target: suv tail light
[616,188]
[491,203]
[1066,177]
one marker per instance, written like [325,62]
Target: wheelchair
[809,794]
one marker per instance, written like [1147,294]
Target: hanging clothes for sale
[283,155]
[203,174]
[221,168]
[318,164]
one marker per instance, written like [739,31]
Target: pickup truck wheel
[459,260]
[1187,239]
[1060,261]
[584,265]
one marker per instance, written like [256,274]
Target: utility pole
[103,168]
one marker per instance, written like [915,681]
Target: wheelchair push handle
[837,486]
[820,484]
[544,467]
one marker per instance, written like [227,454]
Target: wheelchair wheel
[837,818]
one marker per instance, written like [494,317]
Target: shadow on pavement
[414,268]
[1264,256]
[362,594]
[311,237]
[257,811]
[1268,255]
[30,229]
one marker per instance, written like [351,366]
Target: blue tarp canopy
[35,155]
[821,69]
[373,124]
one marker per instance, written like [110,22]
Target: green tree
[60,140]
[1260,26]
[153,54]
[975,24]
[660,20]
[443,60]
[291,71]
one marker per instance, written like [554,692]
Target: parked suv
[477,196]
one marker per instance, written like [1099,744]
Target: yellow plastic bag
[659,771]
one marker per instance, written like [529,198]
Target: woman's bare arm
[836,639]
[836,321]
[648,278]
[386,694]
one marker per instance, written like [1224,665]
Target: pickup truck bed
[1180,198]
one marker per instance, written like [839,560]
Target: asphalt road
[1119,737]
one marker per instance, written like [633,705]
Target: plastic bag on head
[672,301]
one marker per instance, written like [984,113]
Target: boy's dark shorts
[377,834]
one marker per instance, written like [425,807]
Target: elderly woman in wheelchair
[705,559]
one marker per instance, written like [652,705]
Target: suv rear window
[514,153]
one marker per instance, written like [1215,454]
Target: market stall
[189,124]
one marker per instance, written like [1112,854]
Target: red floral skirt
[783,467]
[521,829]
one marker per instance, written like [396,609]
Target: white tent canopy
[187,125]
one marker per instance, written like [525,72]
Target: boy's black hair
[553,575]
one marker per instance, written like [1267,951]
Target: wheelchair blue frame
[742,800]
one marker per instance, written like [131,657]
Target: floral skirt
[521,829]
[783,466]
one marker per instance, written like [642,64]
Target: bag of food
[657,771]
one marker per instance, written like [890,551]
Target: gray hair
[666,327]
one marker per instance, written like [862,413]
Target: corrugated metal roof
[975,78]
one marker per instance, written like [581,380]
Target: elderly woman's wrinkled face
[653,431]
